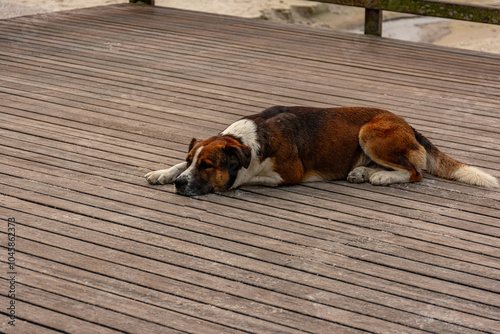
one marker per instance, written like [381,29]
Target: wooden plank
[105,178]
[39,319]
[89,265]
[476,76]
[91,99]
[463,123]
[52,292]
[169,293]
[447,263]
[199,311]
[181,148]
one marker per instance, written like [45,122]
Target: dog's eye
[205,165]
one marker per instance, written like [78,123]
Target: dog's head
[213,165]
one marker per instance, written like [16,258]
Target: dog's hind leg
[390,142]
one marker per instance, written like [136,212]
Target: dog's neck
[245,131]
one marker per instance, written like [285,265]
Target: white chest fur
[258,172]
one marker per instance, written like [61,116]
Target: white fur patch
[188,173]
[258,172]
[386,177]
[247,131]
[475,176]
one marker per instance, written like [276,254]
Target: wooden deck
[90,100]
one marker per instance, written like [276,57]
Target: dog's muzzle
[186,187]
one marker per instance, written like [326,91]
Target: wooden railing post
[373,22]
[146,2]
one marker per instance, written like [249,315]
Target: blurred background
[465,35]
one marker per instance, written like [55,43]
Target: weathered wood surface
[92,99]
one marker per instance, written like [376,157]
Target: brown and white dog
[290,145]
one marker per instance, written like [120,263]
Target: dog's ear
[194,141]
[242,153]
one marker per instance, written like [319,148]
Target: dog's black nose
[180,182]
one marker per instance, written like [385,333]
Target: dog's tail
[441,165]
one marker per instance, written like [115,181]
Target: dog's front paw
[159,177]
[162,176]
[358,175]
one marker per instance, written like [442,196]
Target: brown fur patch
[389,141]
[219,161]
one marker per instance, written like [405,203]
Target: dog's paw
[358,175]
[381,179]
[385,178]
[162,176]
